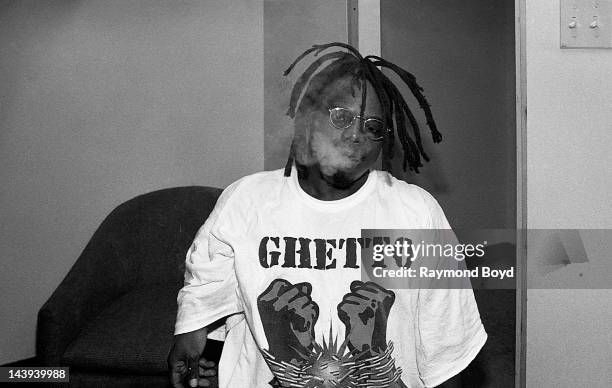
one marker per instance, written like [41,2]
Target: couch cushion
[132,335]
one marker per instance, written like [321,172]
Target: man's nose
[354,132]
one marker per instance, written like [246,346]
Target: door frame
[360,29]
[521,191]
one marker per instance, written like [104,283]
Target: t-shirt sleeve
[448,330]
[210,288]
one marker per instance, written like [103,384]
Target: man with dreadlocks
[278,259]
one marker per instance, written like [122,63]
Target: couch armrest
[96,279]
[141,242]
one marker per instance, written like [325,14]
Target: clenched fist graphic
[288,315]
[364,312]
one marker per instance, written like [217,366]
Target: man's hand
[364,312]
[208,374]
[184,359]
[288,315]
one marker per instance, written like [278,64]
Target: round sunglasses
[342,118]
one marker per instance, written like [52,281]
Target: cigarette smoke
[312,147]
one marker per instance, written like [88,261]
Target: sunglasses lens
[341,118]
[375,129]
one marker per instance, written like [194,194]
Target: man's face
[341,155]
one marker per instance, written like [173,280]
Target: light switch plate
[586,23]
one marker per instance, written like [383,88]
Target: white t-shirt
[281,264]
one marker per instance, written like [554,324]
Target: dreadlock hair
[396,112]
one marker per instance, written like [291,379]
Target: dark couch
[111,320]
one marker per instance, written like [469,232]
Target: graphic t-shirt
[284,268]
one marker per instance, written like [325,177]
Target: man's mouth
[354,156]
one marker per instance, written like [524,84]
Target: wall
[462,54]
[292,26]
[102,101]
[569,132]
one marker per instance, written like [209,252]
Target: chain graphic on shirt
[362,359]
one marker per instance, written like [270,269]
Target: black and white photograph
[306,193]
